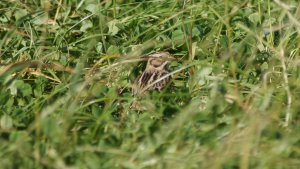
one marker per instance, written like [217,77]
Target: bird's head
[159,61]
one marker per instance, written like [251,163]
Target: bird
[155,76]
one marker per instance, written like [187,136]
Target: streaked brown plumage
[157,67]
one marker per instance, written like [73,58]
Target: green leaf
[26,89]
[264,66]
[41,19]
[20,13]
[20,86]
[203,74]
[10,102]
[98,89]
[99,47]
[112,50]
[195,32]
[92,8]
[13,88]
[177,35]
[254,18]
[6,122]
[112,28]
[85,25]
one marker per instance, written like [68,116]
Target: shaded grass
[67,68]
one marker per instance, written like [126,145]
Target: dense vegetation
[67,67]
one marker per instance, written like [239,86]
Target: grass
[67,68]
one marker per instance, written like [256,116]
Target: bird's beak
[171,58]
